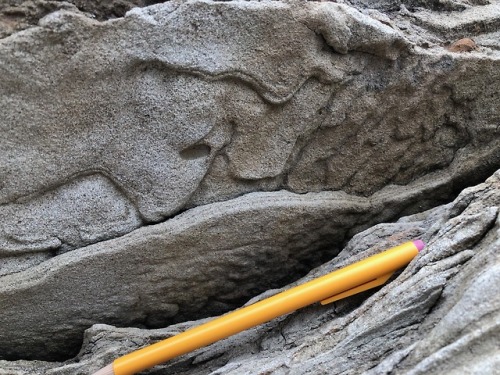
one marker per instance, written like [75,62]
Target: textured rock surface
[203,261]
[16,15]
[170,164]
[440,315]
[175,112]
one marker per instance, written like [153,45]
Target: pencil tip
[419,244]
[108,370]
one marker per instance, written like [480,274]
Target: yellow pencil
[355,278]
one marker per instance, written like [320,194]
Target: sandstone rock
[176,113]
[170,164]
[203,261]
[440,315]
[16,15]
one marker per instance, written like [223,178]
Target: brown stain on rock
[463,45]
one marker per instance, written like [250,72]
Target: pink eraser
[419,244]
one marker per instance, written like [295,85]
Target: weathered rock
[440,315]
[187,103]
[102,213]
[203,261]
[170,164]
[16,15]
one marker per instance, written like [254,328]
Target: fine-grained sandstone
[441,314]
[162,112]
[172,162]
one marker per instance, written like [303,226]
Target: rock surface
[440,315]
[17,15]
[187,103]
[172,163]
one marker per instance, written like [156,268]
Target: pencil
[355,278]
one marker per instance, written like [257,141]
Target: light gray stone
[439,315]
[60,220]
[17,15]
[203,261]
[187,103]
[172,163]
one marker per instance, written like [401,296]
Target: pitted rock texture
[182,104]
[441,314]
[205,260]
[170,164]
[16,15]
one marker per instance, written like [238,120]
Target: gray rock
[60,220]
[170,164]
[16,15]
[183,104]
[441,314]
[206,260]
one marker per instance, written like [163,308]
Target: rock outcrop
[170,164]
[440,315]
